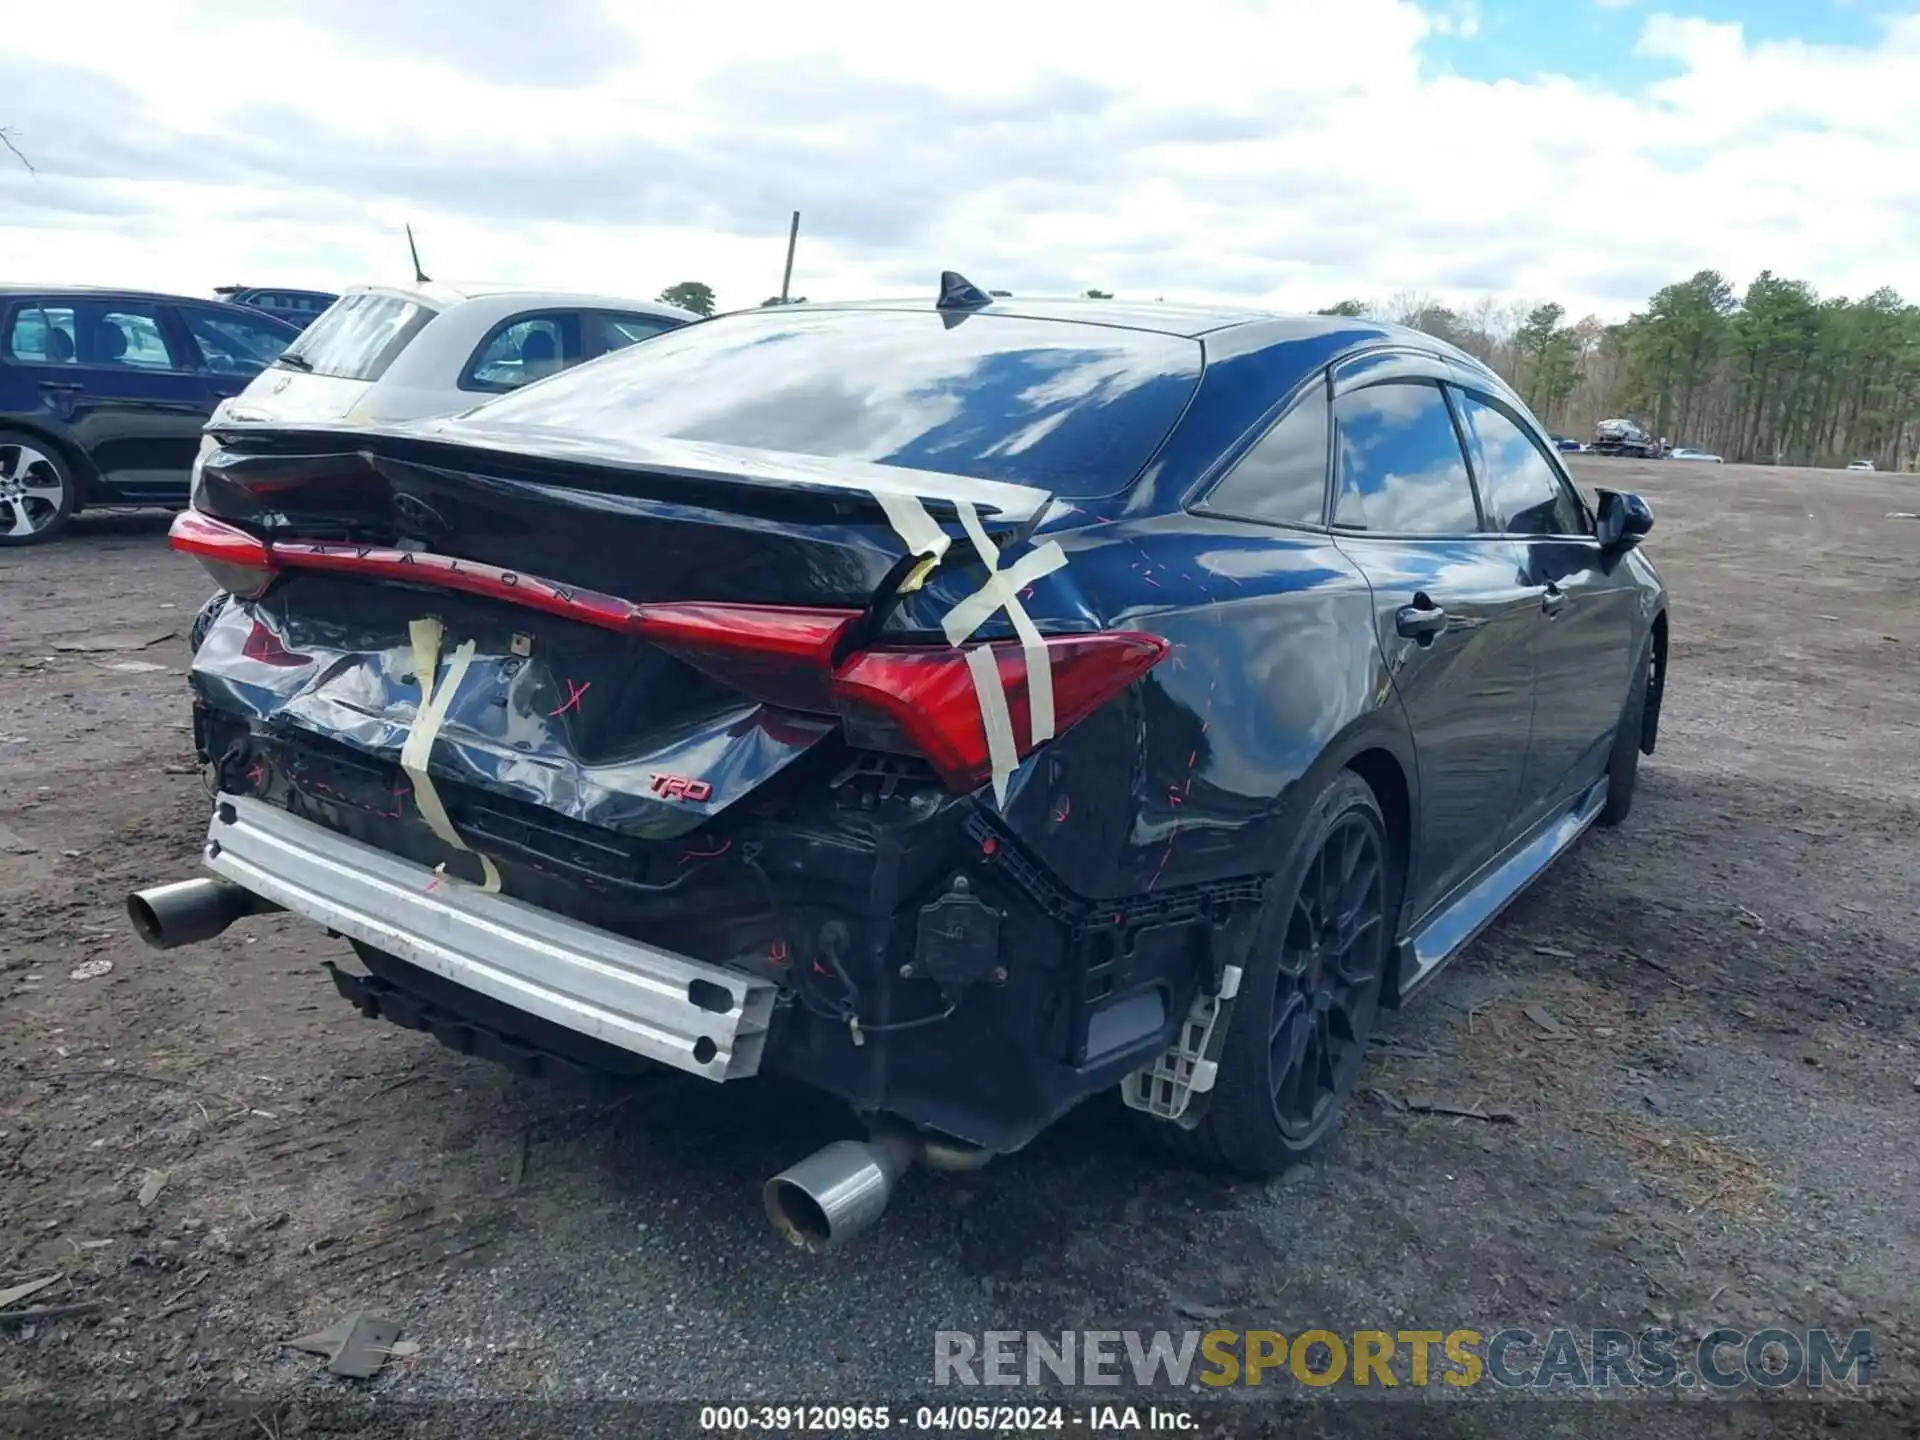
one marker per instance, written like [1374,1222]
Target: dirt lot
[1724,1134]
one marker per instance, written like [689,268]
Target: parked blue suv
[103,394]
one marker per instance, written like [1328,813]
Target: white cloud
[1286,153]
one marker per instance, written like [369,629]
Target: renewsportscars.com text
[1512,1358]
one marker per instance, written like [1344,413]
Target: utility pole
[793,236]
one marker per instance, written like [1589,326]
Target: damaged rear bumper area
[864,932]
[705,1019]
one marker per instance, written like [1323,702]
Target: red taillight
[239,564]
[263,645]
[922,701]
[775,653]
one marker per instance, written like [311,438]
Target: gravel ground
[1724,1135]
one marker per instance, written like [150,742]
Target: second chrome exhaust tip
[189,911]
[839,1190]
[842,1189]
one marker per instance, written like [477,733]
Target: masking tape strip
[434,702]
[1033,648]
[925,537]
[1003,585]
[1001,755]
[911,522]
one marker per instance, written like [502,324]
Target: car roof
[102,292]
[1230,328]
[504,299]
[1188,321]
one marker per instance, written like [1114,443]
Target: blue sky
[1586,39]
[1284,153]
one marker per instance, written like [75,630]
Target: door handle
[1420,621]
[62,386]
[1552,600]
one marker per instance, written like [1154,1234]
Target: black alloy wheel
[1327,983]
[1309,996]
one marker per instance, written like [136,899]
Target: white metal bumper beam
[705,1019]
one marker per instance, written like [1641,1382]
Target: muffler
[842,1189]
[189,911]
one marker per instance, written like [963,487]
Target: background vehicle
[1626,437]
[103,394]
[1682,452]
[960,708]
[1566,445]
[299,308]
[1862,465]
[382,353]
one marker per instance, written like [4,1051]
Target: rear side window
[608,330]
[1074,408]
[1401,469]
[1523,492]
[1282,480]
[359,337]
[233,343]
[524,349]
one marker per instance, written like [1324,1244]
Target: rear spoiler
[458,443]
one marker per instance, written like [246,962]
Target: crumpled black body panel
[581,722]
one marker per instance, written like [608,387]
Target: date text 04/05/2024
[962,1419]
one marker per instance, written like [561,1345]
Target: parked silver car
[386,353]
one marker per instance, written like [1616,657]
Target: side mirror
[1624,519]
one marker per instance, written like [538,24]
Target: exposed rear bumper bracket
[701,1018]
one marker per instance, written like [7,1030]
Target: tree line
[1773,374]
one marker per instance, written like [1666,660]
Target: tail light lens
[238,563]
[265,646]
[774,653]
[912,701]
[922,701]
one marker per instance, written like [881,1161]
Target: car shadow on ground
[115,524]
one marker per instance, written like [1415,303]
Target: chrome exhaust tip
[838,1191]
[189,911]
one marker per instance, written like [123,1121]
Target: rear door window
[524,349]
[1401,468]
[359,337]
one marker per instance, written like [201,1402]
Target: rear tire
[1623,766]
[37,490]
[1309,994]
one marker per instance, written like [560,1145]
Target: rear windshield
[358,337]
[1073,408]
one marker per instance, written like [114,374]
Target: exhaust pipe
[842,1189]
[189,911]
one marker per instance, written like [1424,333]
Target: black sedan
[103,394]
[959,707]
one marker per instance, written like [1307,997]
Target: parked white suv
[385,353]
